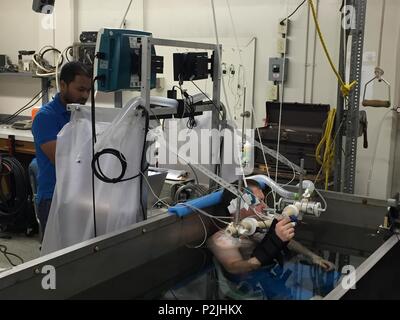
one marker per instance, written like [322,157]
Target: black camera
[43,6]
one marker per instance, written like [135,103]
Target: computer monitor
[118,64]
[191,66]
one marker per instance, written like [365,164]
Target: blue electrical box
[119,55]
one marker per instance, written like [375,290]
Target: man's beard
[69,100]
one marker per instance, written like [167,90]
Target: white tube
[275,186]
[308,187]
[163,102]
[307,184]
[247,227]
[107,138]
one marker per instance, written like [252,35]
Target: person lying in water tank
[246,254]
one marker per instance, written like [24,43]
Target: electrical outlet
[283,26]
[278,69]
[272,94]
[281,46]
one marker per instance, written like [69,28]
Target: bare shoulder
[223,241]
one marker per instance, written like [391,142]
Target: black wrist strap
[267,251]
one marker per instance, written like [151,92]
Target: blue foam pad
[204,202]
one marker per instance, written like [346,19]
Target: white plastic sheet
[118,205]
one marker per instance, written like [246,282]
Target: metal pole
[146,71]
[242,164]
[306,64]
[145,94]
[337,180]
[353,116]
[118,99]
[215,122]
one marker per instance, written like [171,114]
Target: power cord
[194,173]
[189,108]
[123,22]
[7,255]
[289,16]
[36,98]
[93,119]
[208,98]
[120,156]
[327,144]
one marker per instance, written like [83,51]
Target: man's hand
[324,264]
[276,239]
[284,229]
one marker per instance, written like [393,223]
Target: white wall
[382,174]
[192,19]
[396,132]
[19,31]
[23,29]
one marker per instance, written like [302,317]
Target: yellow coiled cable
[327,142]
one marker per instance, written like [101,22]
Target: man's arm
[316,259]
[227,253]
[299,248]
[237,265]
[45,130]
[49,149]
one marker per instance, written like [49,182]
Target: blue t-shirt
[295,280]
[48,122]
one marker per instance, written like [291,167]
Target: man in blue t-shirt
[75,86]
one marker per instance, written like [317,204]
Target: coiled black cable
[120,156]
[99,173]
[13,201]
